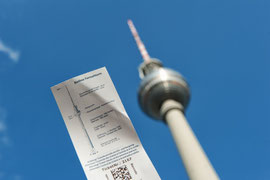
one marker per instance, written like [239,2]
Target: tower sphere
[158,85]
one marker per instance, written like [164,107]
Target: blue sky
[221,47]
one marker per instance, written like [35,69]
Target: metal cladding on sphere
[158,85]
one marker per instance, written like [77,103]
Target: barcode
[121,173]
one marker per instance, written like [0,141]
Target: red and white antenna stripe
[139,42]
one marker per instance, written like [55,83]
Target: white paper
[100,129]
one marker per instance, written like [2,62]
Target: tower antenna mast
[139,42]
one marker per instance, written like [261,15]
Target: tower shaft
[197,165]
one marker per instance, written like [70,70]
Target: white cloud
[4,139]
[2,126]
[14,55]
[2,175]
[18,177]
[3,116]
[4,144]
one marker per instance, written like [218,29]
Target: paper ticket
[103,135]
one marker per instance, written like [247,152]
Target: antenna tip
[130,24]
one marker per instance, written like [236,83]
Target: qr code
[121,173]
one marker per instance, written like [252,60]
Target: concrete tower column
[197,165]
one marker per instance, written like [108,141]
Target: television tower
[164,95]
